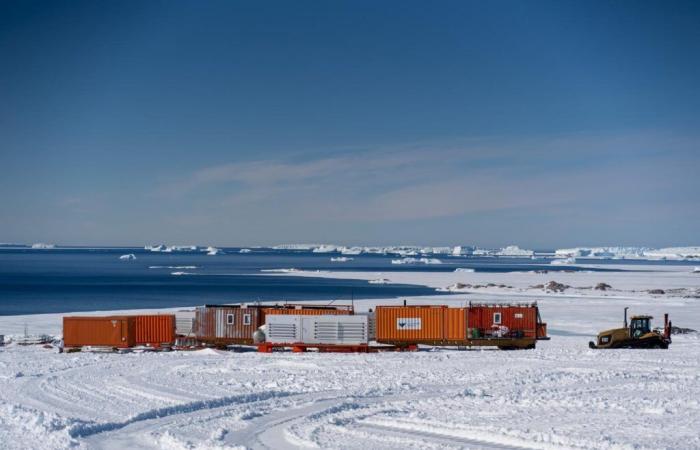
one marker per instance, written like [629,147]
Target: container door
[124,331]
[308,329]
[220,321]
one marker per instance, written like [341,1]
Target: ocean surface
[67,280]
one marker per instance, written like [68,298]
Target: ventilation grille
[282,332]
[340,332]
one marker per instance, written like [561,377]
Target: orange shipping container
[155,329]
[488,324]
[108,331]
[410,323]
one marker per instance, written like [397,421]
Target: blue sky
[538,123]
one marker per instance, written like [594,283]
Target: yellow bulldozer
[636,334]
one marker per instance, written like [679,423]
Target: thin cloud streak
[417,183]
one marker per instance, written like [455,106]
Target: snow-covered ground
[561,395]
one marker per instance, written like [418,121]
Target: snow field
[560,396]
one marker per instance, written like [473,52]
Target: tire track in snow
[271,431]
[87,429]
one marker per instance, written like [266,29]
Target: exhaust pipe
[667,327]
[626,308]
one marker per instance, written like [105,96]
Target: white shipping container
[184,322]
[324,329]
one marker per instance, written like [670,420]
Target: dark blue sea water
[63,280]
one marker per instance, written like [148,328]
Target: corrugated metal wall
[409,323]
[184,323]
[155,329]
[333,329]
[227,324]
[109,331]
[441,323]
[308,311]
[515,318]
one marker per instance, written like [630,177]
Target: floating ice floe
[464,269]
[290,270]
[213,251]
[182,273]
[129,257]
[42,246]
[244,250]
[341,259]
[416,261]
[563,262]
[295,247]
[173,267]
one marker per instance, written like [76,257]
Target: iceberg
[129,257]
[244,250]
[416,261]
[675,253]
[325,249]
[514,250]
[351,250]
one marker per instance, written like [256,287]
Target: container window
[229,319]
[246,319]
[497,318]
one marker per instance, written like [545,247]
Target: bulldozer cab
[639,326]
[636,333]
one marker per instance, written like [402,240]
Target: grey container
[323,329]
